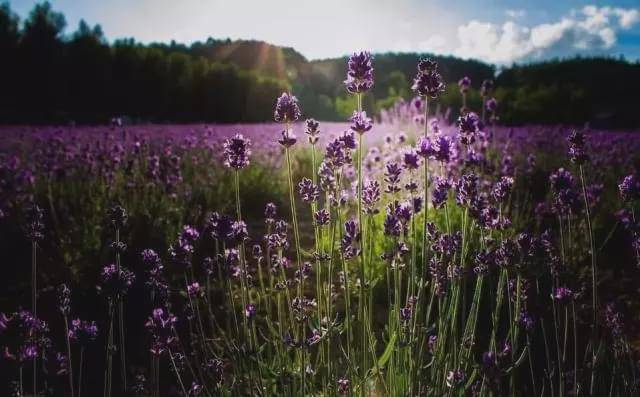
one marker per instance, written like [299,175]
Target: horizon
[520,34]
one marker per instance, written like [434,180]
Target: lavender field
[399,255]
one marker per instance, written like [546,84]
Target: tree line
[48,76]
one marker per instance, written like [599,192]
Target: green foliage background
[49,76]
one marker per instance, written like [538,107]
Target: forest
[51,75]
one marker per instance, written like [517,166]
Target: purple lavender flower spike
[344,386]
[563,295]
[425,148]
[83,332]
[321,217]
[492,105]
[287,109]
[287,138]
[308,191]
[115,283]
[270,213]
[469,126]
[411,160]
[371,197]
[630,188]
[443,148]
[64,299]
[577,142]
[392,177]
[486,88]
[312,130]
[348,139]
[237,151]
[440,192]
[359,73]
[360,123]
[160,325]
[502,188]
[428,82]
[464,84]
[34,229]
[250,311]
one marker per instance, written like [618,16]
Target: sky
[500,32]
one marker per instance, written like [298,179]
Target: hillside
[50,76]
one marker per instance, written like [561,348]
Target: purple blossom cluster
[480,238]
[359,73]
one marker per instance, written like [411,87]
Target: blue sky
[498,31]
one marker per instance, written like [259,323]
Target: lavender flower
[467,189]
[194,290]
[287,138]
[64,299]
[577,143]
[83,332]
[469,125]
[432,343]
[427,65]
[34,229]
[630,188]
[502,188]
[443,148]
[359,73]
[160,326]
[455,378]
[464,84]
[182,250]
[392,225]
[139,387]
[348,139]
[312,130]
[344,386]
[336,154]
[114,282]
[118,216]
[62,363]
[321,217]
[270,212]
[428,82]
[287,110]
[425,148]
[563,295]
[392,177]
[360,123]
[440,192]
[411,160]
[371,197]
[486,88]
[150,258]
[613,321]
[237,151]
[26,336]
[350,238]
[492,105]
[308,191]
[222,228]
[561,180]
[250,311]
[405,314]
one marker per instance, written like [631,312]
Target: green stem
[34,300]
[66,331]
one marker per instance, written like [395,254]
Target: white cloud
[628,18]
[589,30]
[435,44]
